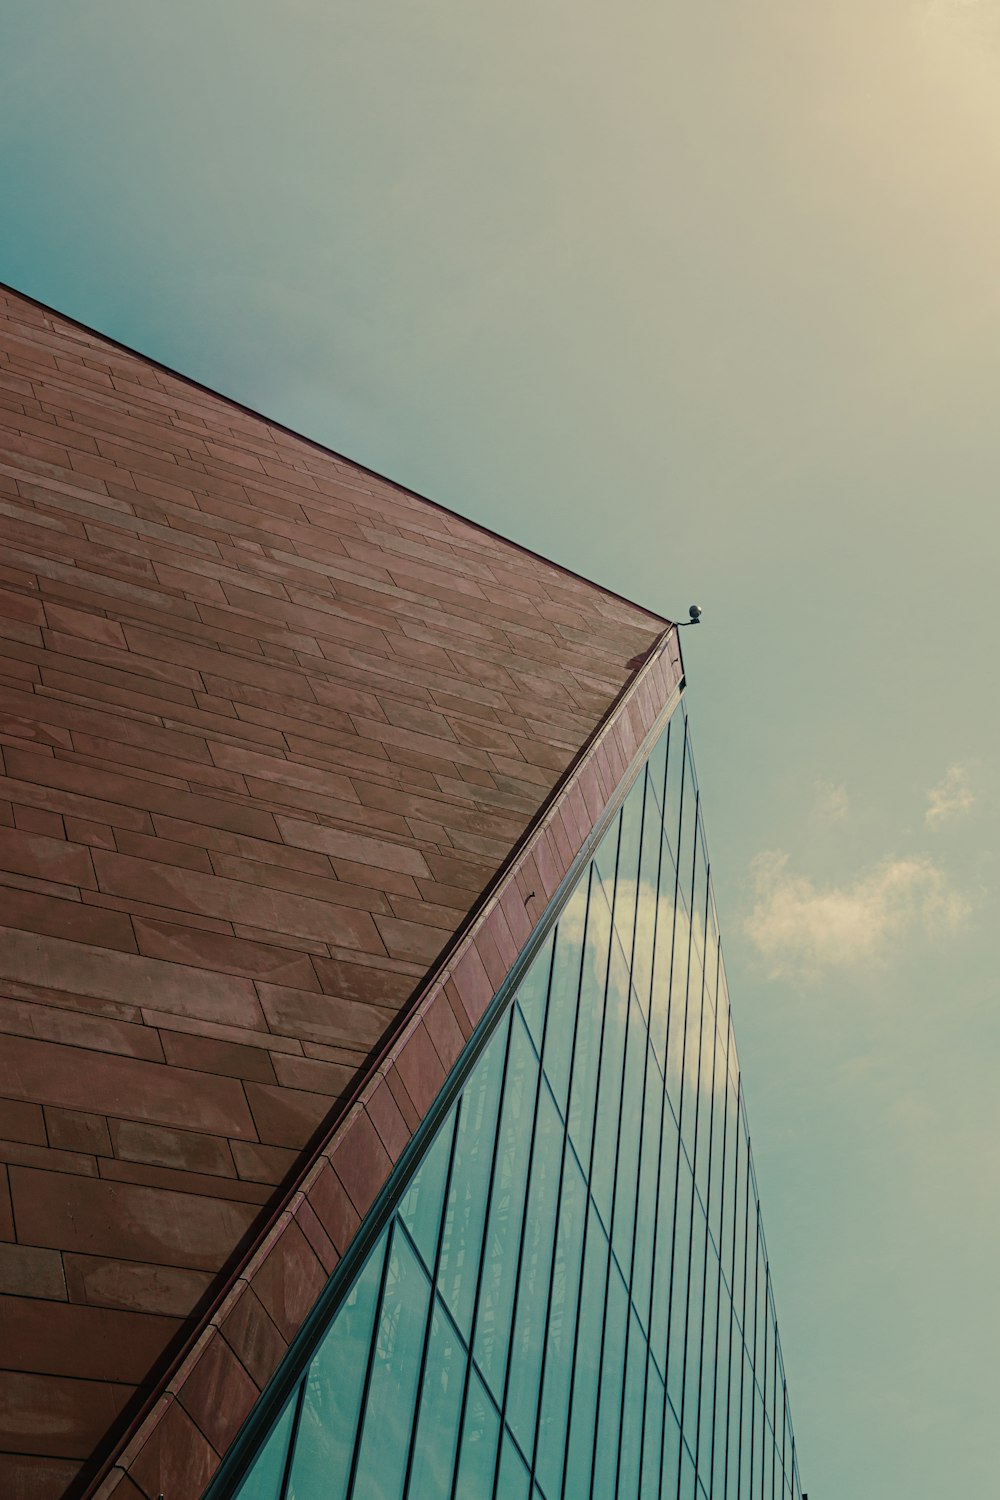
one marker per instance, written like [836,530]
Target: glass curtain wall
[571,1296]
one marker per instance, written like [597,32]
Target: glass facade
[568,1294]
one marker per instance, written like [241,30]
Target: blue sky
[702,301]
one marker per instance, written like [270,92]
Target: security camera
[694,616]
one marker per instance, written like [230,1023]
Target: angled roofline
[327,452]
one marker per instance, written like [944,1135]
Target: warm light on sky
[702,300]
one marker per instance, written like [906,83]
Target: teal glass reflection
[561,1326]
[528,1337]
[334,1389]
[436,1434]
[480,1436]
[465,1220]
[420,1209]
[499,1271]
[392,1392]
[565,1292]
[265,1479]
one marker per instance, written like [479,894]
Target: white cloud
[832,802]
[950,798]
[801,929]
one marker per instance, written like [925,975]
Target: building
[357,938]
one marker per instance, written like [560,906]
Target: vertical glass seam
[293,1433]
[753,1351]
[559,1190]
[680,1147]
[365,1389]
[732,1285]
[708,1185]
[618,1143]
[642,1134]
[432,1300]
[708,1195]
[590,1174]
[659,1148]
[540,1082]
[463,1410]
[743,1310]
[694,1143]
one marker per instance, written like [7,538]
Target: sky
[701,300]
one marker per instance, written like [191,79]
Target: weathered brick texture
[268,727]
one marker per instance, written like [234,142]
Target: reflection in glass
[567,1292]
[334,1390]
[265,1479]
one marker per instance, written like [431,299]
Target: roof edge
[328,452]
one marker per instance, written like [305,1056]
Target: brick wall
[268,726]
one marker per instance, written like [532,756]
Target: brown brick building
[292,760]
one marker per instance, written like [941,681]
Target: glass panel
[478,1448]
[590,1024]
[264,1480]
[440,1410]
[678,1003]
[612,1374]
[688,1488]
[729,1196]
[656,771]
[652,1434]
[662,1262]
[610,1088]
[708,1338]
[532,992]
[741,1301]
[747,1429]
[678,1290]
[696,1290]
[606,857]
[760,1323]
[717,1095]
[513,1480]
[536,1266]
[671,1451]
[631,1432]
[770,1366]
[721,1413]
[324,1444]
[389,1410]
[504,1232]
[734,1419]
[703,1147]
[663,948]
[676,755]
[561,1329]
[646,905]
[461,1242]
[722,1003]
[420,1209]
[588,1353]
[629,1137]
[563,992]
[648,1172]
[692,1051]
[626,884]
